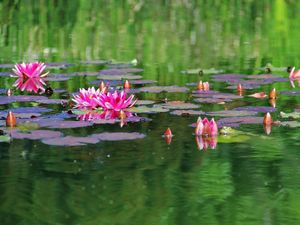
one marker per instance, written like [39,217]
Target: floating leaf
[28,126]
[158,89]
[259,95]
[5,138]
[64,124]
[20,98]
[236,121]
[145,109]
[119,77]
[292,124]
[70,141]
[95,62]
[212,100]
[231,113]
[233,138]
[202,71]
[186,112]
[263,109]
[144,102]
[35,134]
[120,71]
[290,92]
[51,101]
[294,115]
[178,105]
[118,136]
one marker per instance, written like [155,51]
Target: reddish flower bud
[240,88]
[268,128]
[126,84]
[273,102]
[9,92]
[168,139]
[272,94]
[103,87]
[168,132]
[200,86]
[11,120]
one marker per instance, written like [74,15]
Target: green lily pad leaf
[294,115]
[291,124]
[233,138]
[83,111]
[5,138]
[28,126]
[145,109]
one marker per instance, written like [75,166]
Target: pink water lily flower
[206,128]
[115,101]
[30,76]
[294,75]
[87,98]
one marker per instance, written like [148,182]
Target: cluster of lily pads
[110,104]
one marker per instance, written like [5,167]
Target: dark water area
[248,178]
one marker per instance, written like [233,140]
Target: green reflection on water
[146,181]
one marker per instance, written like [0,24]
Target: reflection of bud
[272,102]
[272,94]
[11,120]
[204,143]
[168,139]
[268,119]
[268,128]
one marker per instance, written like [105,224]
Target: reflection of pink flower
[30,76]
[206,128]
[294,75]
[87,99]
[115,101]
[204,143]
[105,115]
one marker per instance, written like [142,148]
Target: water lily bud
[9,92]
[168,139]
[168,132]
[273,102]
[103,87]
[126,84]
[272,94]
[206,86]
[200,86]
[11,120]
[268,119]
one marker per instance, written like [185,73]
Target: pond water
[248,177]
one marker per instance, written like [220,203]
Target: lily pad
[231,113]
[289,92]
[202,71]
[52,101]
[145,109]
[96,62]
[64,124]
[236,121]
[186,112]
[144,102]
[178,105]
[70,141]
[263,109]
[20,98]
[292,124]
[158,89]
[293,115]
[120,71]
[212,100]
[119,77]
[35,134]
[118,136]
[5,138]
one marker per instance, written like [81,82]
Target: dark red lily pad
[70,141]
[186,112]
[35,134]
[263,109]
[118,136]
[20,98]
[158,89]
